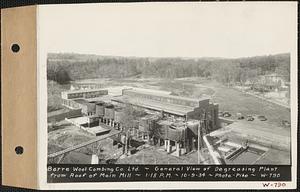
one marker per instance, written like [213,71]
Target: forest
[65,67]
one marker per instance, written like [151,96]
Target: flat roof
[79,120]
[178,124]
[159,93]
[104,98]
[97,129]
[81,101]
[154,91]
[150,116]
[155,105]
[83,91]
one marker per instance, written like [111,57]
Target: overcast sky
[169,29]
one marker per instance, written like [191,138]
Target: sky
[228,30]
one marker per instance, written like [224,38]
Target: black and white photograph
[122,95]
[169,84]
[167,95]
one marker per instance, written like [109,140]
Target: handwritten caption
[98,173]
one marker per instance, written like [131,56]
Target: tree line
[65,67]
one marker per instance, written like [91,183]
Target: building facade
[83,94]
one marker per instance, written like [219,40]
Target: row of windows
[85,94]
[75,95]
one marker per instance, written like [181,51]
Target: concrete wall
[218,160]
[100,109]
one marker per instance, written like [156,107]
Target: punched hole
[15,48]
[19,150]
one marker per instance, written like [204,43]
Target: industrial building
[177,118]
[87,86]
[77,94]
[171,106]
[76,99]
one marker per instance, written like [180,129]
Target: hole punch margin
[15,48]
[19,150]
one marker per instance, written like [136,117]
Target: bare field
[66,136]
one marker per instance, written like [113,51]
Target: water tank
[92,107]
[175,134]
[118,115]
[109,112]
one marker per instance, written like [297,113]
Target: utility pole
[206,125]
[199,126]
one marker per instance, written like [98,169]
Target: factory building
[79,99]
[177,118]
[87,86]
[181,137]
[83,94]
[171,106]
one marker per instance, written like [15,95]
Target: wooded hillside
[63,67]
